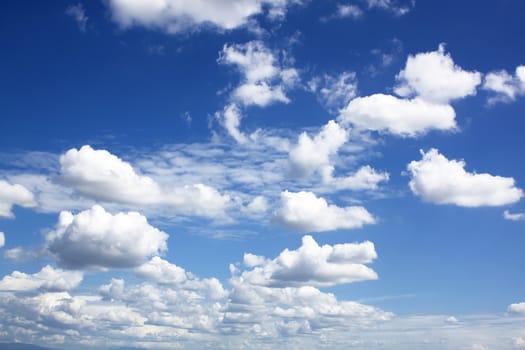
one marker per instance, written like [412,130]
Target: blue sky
[262,173]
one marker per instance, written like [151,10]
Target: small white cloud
[403,117]
[312,155]
[252,260]
[258,205]
[513,217]
[48,278]
[518,308]
[78,13]
[14,195]
[313,265]
[2,240]
[161,271]
[304,212]
[441,181]
[349,11]
[451,320]
[365,178]
[230,118]
[392,6]
[95,238]
[434,77]
[259,94]
[505,87]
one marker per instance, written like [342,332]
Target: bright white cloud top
[47,279]
[505,87]
[314,265]
[14,194]
[439,180]
[95,238]
[305,212]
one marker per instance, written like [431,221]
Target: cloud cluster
[313,265]
[439,180]
[505,87]
[334,92]
[175,16]
[427,85]
[103,176]
[14,195]
[305,212]
[47,279]
[95,238]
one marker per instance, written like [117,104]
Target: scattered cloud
[513,217]
[441,181]
[2,239]
[176,16]
[47,279]
[305,212]
[313,155]
[78,13]
[434,77]
[95,238]
[14,195]
[505,87]
[103,176]
[348,11]
[402,117]
[314,265]
[365,178]
[518,308]
[393,6]
[334,92]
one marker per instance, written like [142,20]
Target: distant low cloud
[96,239]
[439,180]
[314,265]
[504,87]
[2,240]
[14,194]
[518,308]
[47,279]
[513,216]
[305,212]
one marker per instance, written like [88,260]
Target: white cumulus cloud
[14,195]
[48,278]
[365,178]
[313,265]
[398,116]
[174,16]
[505,87]
[312,155]
[517,308]
[439,180]
[305,212]
[101,175]
[513,216]
[434,77]
[95,238]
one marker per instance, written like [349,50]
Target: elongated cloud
[49,279]
[505,87]
[315,265]
[95,238]
[101,175]
[14,195]
[174,16]
[441,181]
[304,212]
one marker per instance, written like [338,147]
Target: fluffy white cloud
[518,308]
[505,87]
[264,80]
[439,180]
[304,212]
[513,217]
[349,11]
[434,77]
[14,195]
[95,238]
[2,239]
[403,117]
[174,16]
[48,278]
[103,176]
[365,178]
[314,265]
[314,154]
[160,270]
[334,92]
